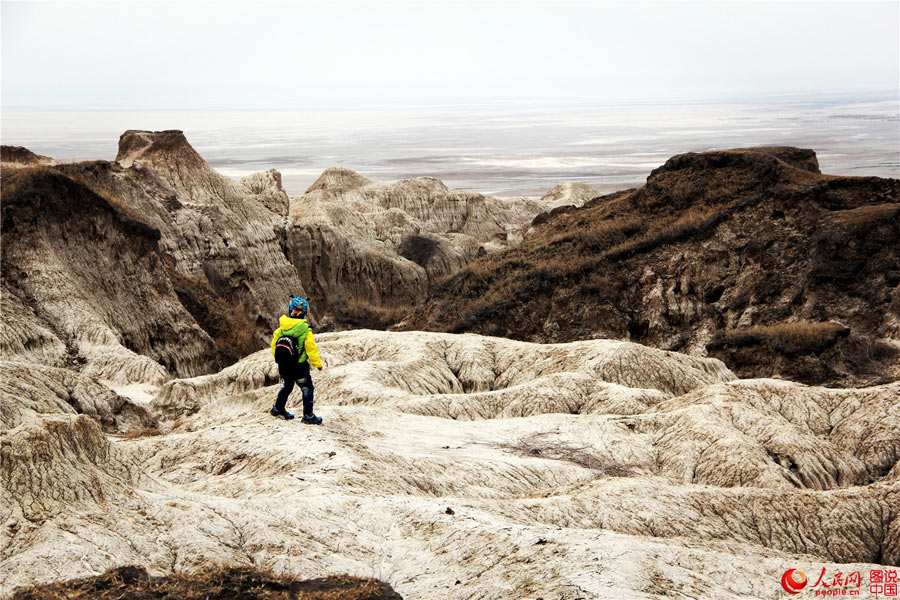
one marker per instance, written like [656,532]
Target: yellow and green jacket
[298,328]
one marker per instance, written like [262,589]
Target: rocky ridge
[229,251]
[368,251]
[751,255]
[19,156]
[147,267]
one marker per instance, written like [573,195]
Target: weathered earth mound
[135,583]
[696,423]
[750,255]
[19,156]
[30,389]
[154,255]
[368,251]
[469,377]
[61,464]
[83,280]
[460,466]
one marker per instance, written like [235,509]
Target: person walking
[295,350]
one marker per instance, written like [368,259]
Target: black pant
[298,374]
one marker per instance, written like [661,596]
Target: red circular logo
[793,581]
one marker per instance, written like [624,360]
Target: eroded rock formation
[150,266]
[29,389]
[450,465]
[368,251]
[750,255]
[508,467]
[103,259]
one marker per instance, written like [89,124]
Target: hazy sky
[147,55]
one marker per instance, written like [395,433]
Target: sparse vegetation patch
[789,338]
[226,583]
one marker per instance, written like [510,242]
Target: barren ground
[459,466]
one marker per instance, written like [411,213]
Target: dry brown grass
[102,188]
[16,180]
[595,236]
[693,221]
[578,249]
[359,313]
[19,180]
[865,215]
[801,337]
[14,156]
[225,321]
[575,247]
[133,583]
[570,252]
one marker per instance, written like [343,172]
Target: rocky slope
[29,389]
[368,251]
[460,466]
[157,255]
[18,156]
[154,255]
[449,465]
[750,255]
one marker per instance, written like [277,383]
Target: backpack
[286,351]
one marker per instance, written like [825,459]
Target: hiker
[294,350]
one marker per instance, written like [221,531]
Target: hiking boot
[312,419]
[281,413]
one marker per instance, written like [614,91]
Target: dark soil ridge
[227,583]
[22,155]
[751,255]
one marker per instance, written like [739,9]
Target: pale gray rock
[29,389]
[25,336]
[773,433]
[266,188]
[55,463]
[693,422]
[548,504]
[570,193]
[468,376]
[359,244]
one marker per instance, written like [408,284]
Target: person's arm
[275,337]
[312,351]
